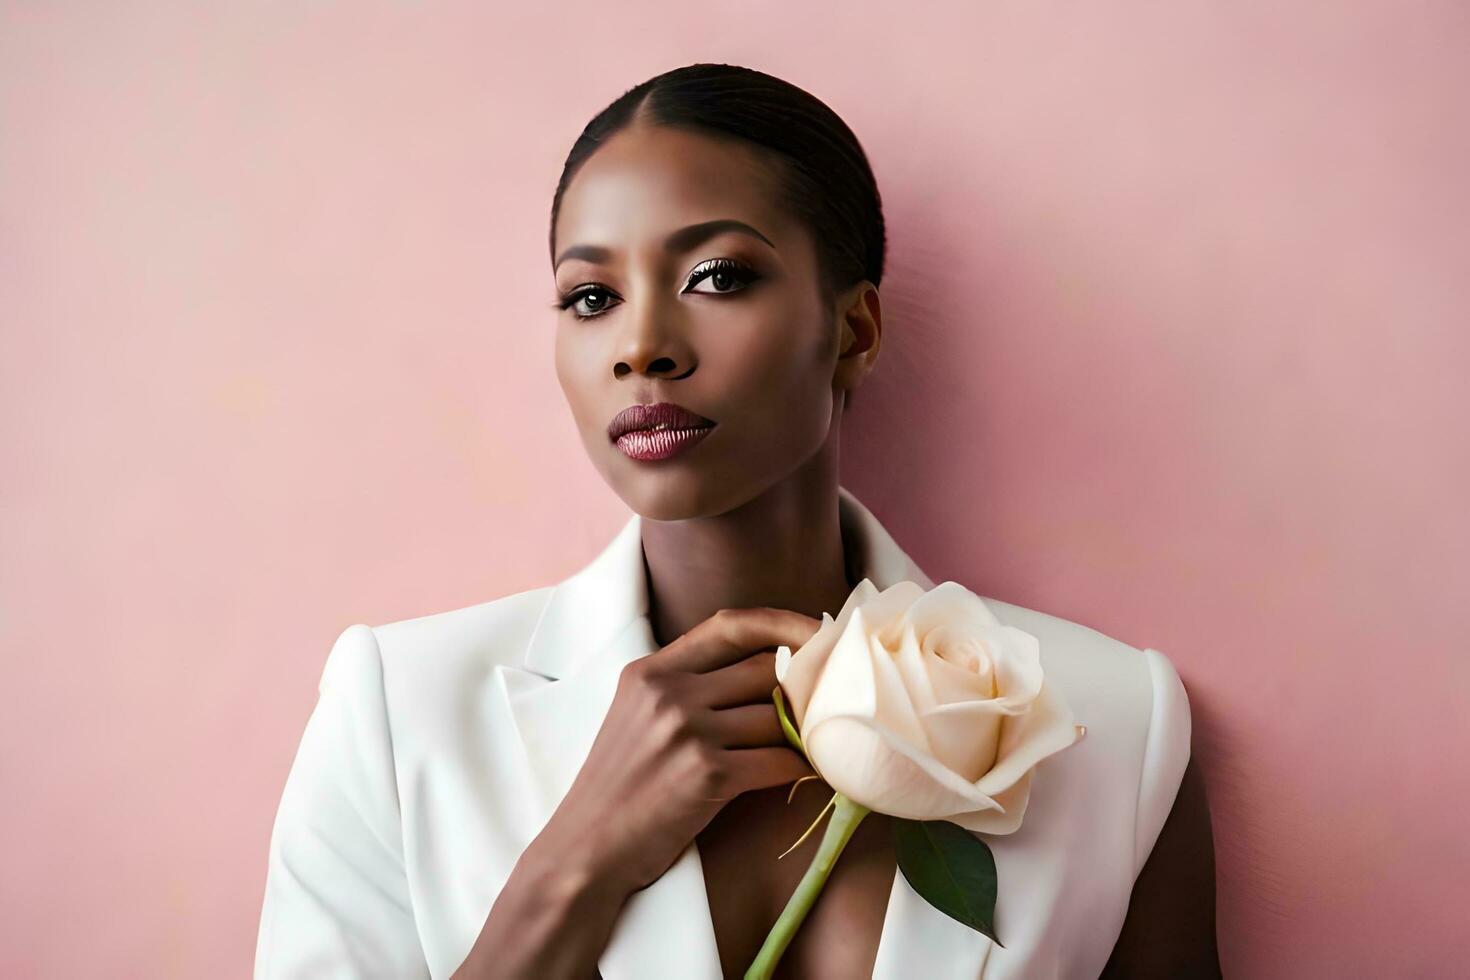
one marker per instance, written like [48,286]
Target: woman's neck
[786,548]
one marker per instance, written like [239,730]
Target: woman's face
[724,320]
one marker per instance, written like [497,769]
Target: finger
[731,635]
[759,768]
[748,681]
[745,727]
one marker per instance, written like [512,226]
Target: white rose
[923,705]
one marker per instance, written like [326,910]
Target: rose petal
[1005,820]
[846,684]
[910,660]
[1027,739]
[887,612]
[872,765]
[1017,657]
[952,605]
[799,672]
[965,737]
[894,709]
[952,683]
[798,678]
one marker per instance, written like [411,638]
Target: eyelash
[740,270]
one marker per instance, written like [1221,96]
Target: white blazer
[439,747]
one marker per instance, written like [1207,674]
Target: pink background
[1175,348]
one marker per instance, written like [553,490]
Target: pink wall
[1177,304]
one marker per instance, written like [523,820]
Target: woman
[591,776]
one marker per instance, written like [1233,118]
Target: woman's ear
[860,321]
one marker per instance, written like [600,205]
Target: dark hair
[822,174]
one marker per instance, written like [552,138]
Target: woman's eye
[725,275]
[588,302]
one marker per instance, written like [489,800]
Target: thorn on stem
[798,783]
[830,804]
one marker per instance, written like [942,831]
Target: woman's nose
[651,343]
[663,367]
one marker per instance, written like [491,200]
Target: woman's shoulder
[454,646]
[1132,700]
[1082,657]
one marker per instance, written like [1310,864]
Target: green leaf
[951,868]
[786,726]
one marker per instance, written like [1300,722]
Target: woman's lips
[657,431]
[646,444]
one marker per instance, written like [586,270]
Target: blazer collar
[593,624]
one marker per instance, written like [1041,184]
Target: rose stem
[845,819]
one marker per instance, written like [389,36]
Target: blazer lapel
[595,623]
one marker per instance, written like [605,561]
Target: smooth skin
[744,551]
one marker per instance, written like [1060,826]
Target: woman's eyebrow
[679,241]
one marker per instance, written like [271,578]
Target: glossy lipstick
[657,431]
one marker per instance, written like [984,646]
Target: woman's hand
[691,727]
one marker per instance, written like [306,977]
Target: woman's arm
[1170,927]
[554,916]
[336,895]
